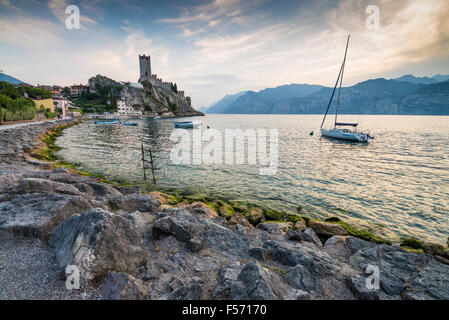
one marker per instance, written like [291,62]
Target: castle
[146,75]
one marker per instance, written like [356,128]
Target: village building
[78,89]
[123,108]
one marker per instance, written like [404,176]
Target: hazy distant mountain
[376,96]
[12,80]
[423,80]
[418,80]
[264,100]
[222,104]
[441,77]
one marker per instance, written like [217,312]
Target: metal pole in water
[152,166]
[143,163]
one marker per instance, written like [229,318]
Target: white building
[61,103]
[123,108]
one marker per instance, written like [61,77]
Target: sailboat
[337,131]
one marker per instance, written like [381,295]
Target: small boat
[187,124]
[129,123]
[336,132]
[107,122]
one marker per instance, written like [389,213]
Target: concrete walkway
[17,125]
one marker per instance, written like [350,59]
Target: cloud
[58,8]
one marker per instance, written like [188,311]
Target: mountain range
[12,80]
[403,95]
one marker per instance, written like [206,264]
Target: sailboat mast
[340,75]
[341,81]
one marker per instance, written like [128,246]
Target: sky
[211,48]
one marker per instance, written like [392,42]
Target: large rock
[226,277]
[275,227]
[301,278]
[104,191]
[255,215]
[36,215]
[309,235]
[253,283]
[122,286]
[183,227]
[98,242]
[136,202]
[142,221]
[200,208]
[327,229]
[291,254]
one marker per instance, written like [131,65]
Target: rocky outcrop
[152,99]
[98,242]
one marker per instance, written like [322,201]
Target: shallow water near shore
[396,185]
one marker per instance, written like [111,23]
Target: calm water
[398,184]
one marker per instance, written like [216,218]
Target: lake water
[396,185]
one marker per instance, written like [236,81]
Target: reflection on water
[399,182]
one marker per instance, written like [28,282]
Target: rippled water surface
[397,184]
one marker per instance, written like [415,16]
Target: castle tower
[145,67]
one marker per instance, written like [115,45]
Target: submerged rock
[98,242]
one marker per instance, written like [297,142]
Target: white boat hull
[345,134]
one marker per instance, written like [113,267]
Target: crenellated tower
[145,68]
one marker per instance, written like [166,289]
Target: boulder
[98,242]
[300,225]
[224,241]
[253,283]
[200,208]
[226,277]
[309,235]
[39,185]
[122,286]
[255,215]
[238,218]
[357,284]
[226,211]
[327,228]
[189,231]
[37,214]
[275,227]
[142,221]
[104,191]
[292,253]
[8,182]
[301,278]
[294,235]
[135,202]
[336,246]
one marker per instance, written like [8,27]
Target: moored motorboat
[129,123]
[107,122]
[187,124]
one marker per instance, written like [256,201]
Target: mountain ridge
[373,96]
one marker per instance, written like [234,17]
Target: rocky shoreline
[132,245]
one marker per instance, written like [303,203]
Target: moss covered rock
[226,210]
[255,215]
[300,225]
